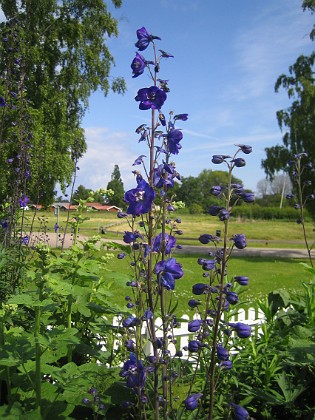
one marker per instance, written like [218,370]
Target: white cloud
[105,149]
[2,16]
[270,44]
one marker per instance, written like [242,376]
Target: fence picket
[251,316]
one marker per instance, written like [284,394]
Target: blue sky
[228,55]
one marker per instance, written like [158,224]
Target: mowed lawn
[265,275]
[262,233]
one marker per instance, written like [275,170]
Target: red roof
[98,206]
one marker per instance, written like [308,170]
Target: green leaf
[8,358]
[11,413]
[22,299]
[290,391]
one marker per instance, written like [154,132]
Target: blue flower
[240,413]
[224,214]
[194,326]
[130,237]
[148,314]
[240,241]
[151,98]
[164,175]
[167,245]
[173,139]
[226,364]
[239,162]
[144,39]
[2,102]
[214,210]
[193,303]
[242,330]
[25,240]
[194,346]
[199,288]
[222,353]
[206,238]
[181,117]
[139,160]
[24,200]
[242,280]
[245,148]
[208,265]
[140,199]
[135,373]
[4,223]
[138,65]
[191,402]
[248,197]
[131,321]
[130,345]
[217,159]
[216,190]
[232,297]
[168,271]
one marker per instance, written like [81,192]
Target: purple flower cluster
[139,199]
[168,271]
[152,240]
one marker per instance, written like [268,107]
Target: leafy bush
[276,368]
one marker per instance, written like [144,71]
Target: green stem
[300,200]
[6,369]
[211,373]
[38,353]
[69,324]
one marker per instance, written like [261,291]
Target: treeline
[256,211]
[195,193]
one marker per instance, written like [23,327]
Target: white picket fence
[251,316]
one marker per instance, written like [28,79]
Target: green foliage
[196,190]
[256,212]
[51,332]
[81,193]
[277,366]
[116,184]
[64,58]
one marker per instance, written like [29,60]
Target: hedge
[267,213]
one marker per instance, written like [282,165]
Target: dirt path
[55,240]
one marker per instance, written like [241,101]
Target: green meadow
[262,233]
[265,275]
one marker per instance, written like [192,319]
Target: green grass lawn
[261,233]
[265,275]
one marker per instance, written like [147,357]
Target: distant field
[262,233]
